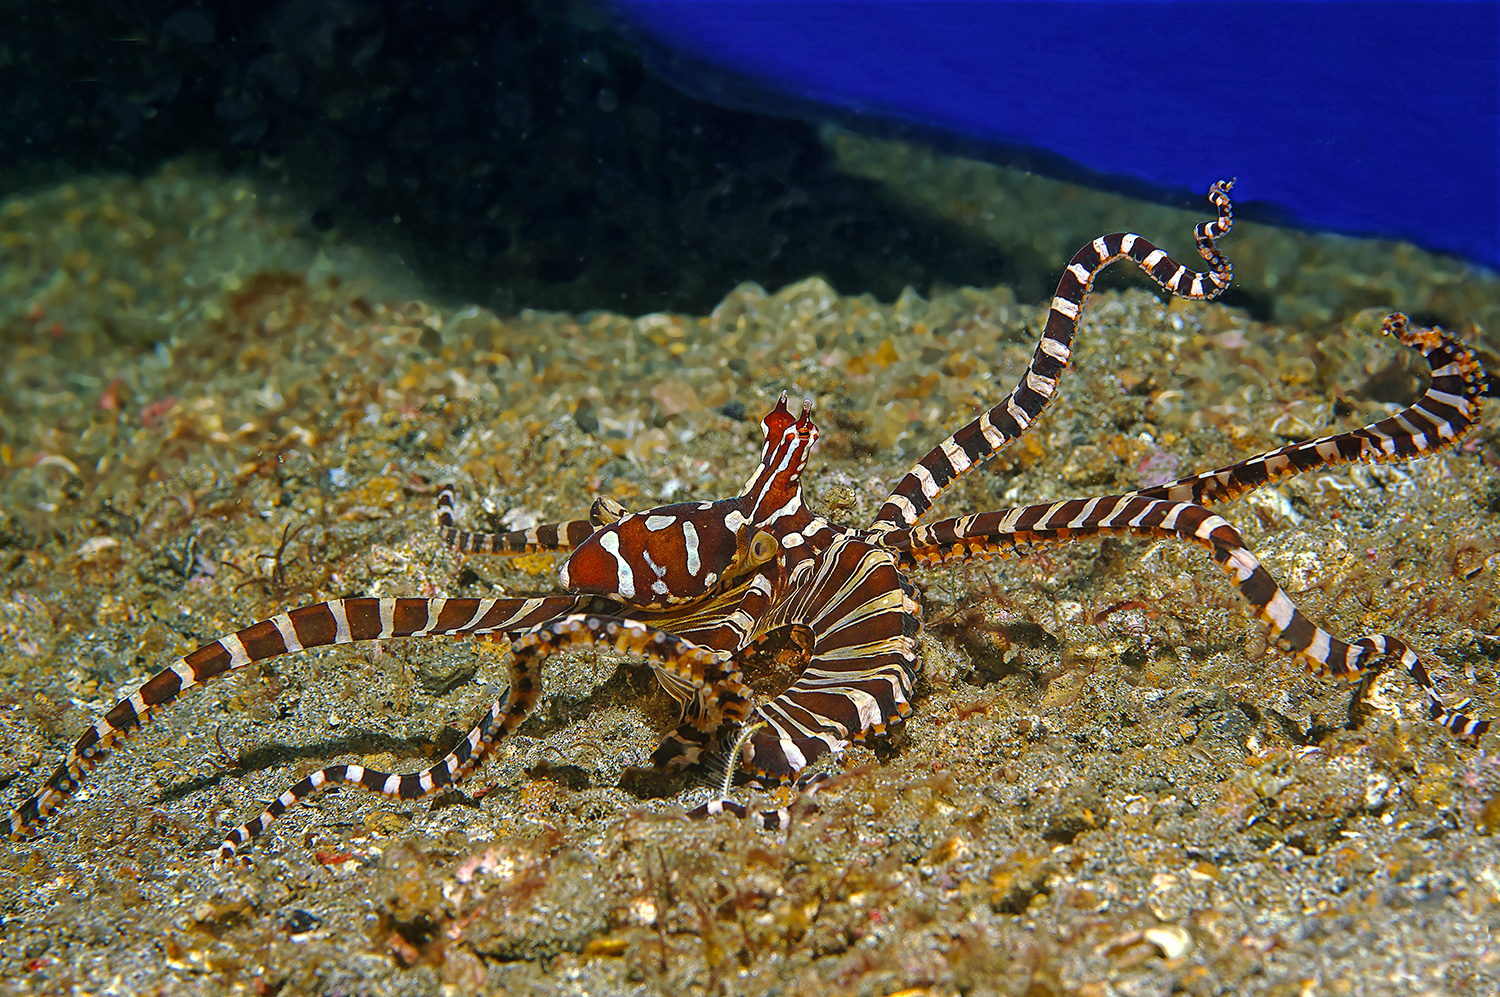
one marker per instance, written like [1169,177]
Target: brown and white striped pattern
[1077,519]
[342,621]
[779,819]
[979,440]
[549,537]
[719,578]
[861,671]
[1447,410]
[718,696]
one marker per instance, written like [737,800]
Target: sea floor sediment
[1106,787]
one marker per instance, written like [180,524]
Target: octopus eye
[762,547]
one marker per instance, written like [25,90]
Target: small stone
[472,328]
[676,397]
[585,418]
[1173,941]
[97,549]
[1489,816]
[299,920]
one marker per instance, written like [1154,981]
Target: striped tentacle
[1076,519]
[342,621]
[766,820]
[1447,410]
[973,444]
[550,537]
[779,819]
[717,691]
[862,666]
[727,619]
[717,694]
[730,620]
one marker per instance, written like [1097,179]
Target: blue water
[1366,118]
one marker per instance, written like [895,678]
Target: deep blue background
[1368,118]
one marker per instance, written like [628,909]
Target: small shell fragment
[1173,941]
[98,549]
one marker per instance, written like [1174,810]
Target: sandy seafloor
[1104,790]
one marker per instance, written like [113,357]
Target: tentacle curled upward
[1446,411]
[980,439]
